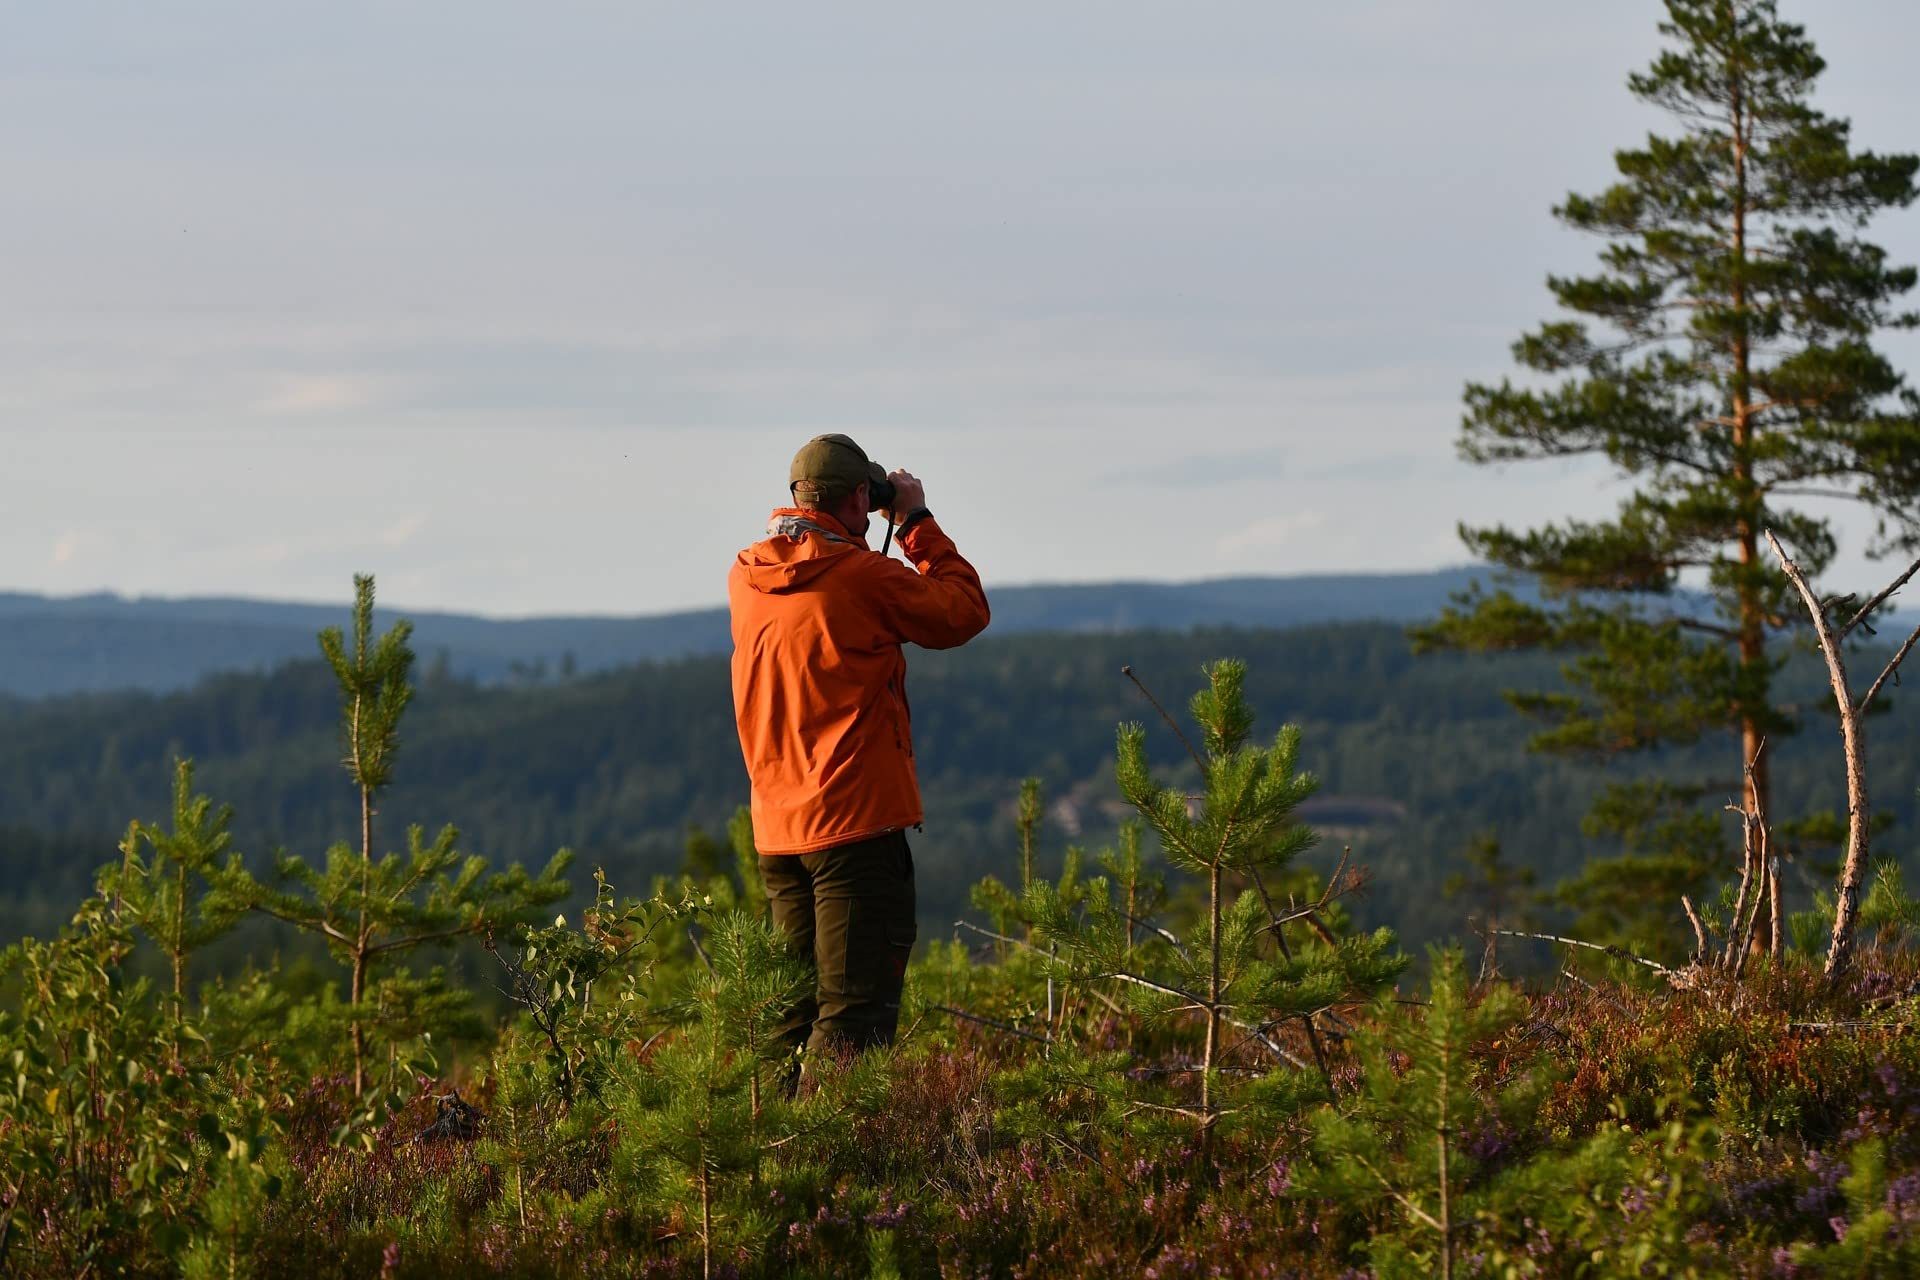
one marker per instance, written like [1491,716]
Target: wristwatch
[913,517]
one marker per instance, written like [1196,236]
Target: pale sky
[525,307]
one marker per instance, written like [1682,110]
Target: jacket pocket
[902,721]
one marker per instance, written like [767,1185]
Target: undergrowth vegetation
[1171,1061]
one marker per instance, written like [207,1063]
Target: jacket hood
[799,547]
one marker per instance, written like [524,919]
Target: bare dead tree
[1853,711]
[1759,881]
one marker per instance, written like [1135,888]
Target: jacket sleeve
[941,606]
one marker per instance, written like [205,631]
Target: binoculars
[880,493]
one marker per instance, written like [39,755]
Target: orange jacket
[819,681]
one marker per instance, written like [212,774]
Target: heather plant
[1435,1157]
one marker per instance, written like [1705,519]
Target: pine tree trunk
[360,944]
[366,873]
[706,1224]
[1446,1197]
[1752,621]
[179,954]
[1213,1013]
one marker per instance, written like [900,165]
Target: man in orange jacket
[820,699]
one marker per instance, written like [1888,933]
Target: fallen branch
[1618,953]
[1594,990]
[990,1022]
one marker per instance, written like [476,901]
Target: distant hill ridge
[67,644]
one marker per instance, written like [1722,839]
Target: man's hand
[909,495]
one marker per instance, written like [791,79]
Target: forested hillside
[1417,756]
[104,642]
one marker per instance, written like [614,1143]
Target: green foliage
[556,973]
[1721,361]
[707,1109]
[166,898]
[1027,819]
[1394,1154]
[374,690]
[1888,913]
[373,912]
[1235,970]
[1416,1155]
[641,1119]
[746,863]
[107,1134]
[1421,752]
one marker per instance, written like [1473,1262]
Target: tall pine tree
[1720,360]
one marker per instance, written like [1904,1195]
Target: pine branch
[414,940]
[311,925]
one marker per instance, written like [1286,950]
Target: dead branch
[1594,990]
[1778,904]
[1756,866]
[1892,669]
[1877,601]
[1699,930]
[1846,914]
[1674,976]
[1279,931]
[1166,934]
[1146,693]
[990,1022]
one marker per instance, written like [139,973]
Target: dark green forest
[103,642]
[1417,757]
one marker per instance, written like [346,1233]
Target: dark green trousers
[851,909]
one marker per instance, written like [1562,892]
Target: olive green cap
[828,468]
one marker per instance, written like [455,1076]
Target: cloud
[315,395]
[1206,470]
[1273,531]
[401,532]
